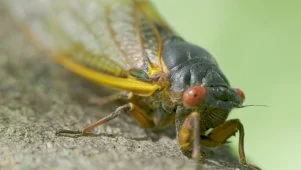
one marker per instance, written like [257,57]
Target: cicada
[126,45]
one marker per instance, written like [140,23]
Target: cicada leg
[188,135]
[222,133]
[141,117]
[138,114]
[110,98]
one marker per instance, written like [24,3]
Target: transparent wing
[108,37]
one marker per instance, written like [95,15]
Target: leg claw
[252,166]
[72,133]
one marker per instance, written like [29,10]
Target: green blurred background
[257,44]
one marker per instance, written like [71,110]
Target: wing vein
[112,34]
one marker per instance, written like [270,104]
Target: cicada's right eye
[241,95]
[193,96]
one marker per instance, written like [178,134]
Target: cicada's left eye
[194,95]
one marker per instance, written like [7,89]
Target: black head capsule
[195,73]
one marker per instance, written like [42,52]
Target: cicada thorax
[159,108]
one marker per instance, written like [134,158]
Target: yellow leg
[221,133]
[189,135]
[141,117]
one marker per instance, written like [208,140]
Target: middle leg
[138,114]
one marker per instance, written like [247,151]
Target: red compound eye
[194,95]
[240,94]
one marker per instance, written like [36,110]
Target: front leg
[222,133]
[188,135]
